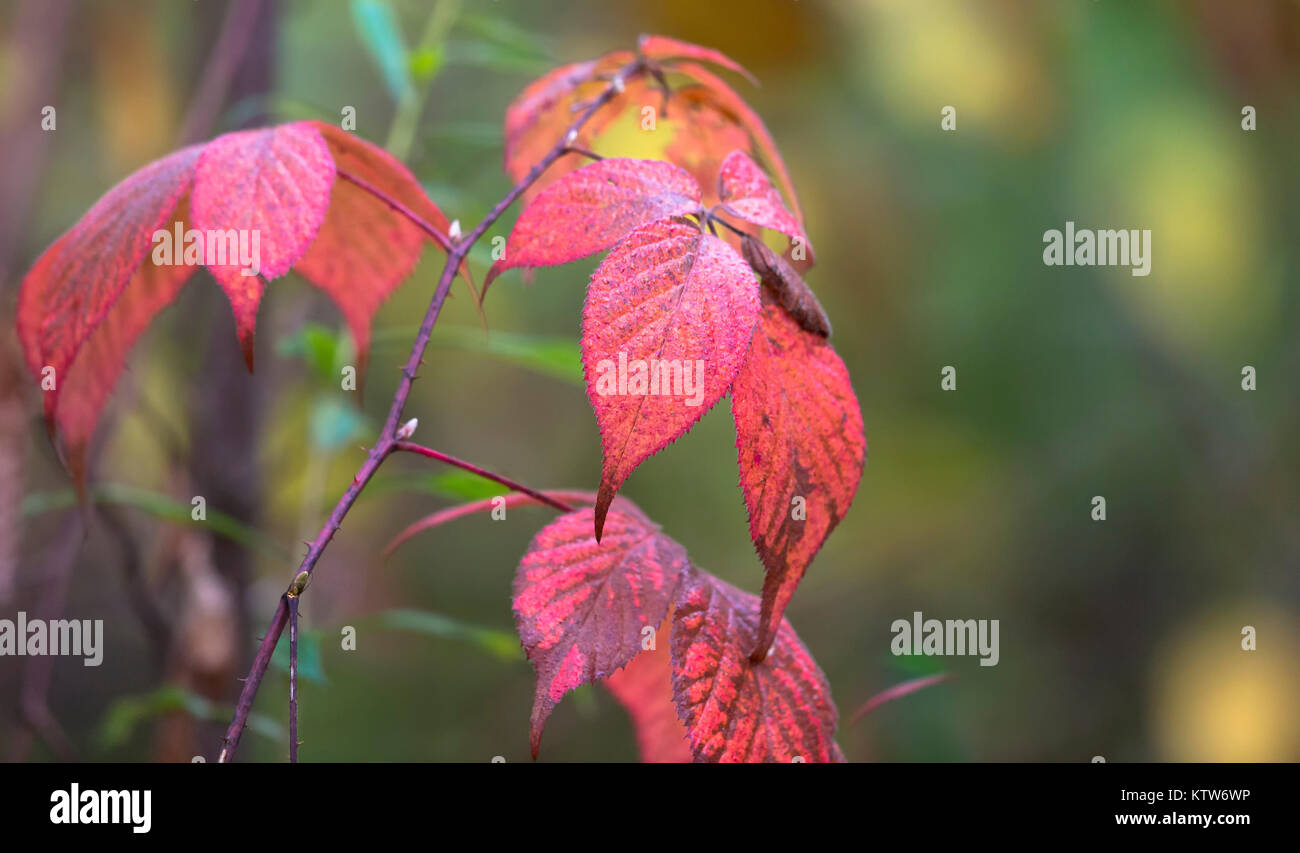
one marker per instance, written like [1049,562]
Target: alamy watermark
[947,637]
[241,247]
[1084,247]
[23,636]
[75,806]
[655,377]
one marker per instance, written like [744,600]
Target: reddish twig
[540,497]
[897,692]
[443,516]
[293,677]
[438,237]
[388,434]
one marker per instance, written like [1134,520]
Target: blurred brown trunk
[226,413]
[36,47]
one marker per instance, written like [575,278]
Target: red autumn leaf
[645,689]
[700,122]
[800,447]
[722,98]
[580,605]
[747,193]
[668,318]
[76,281]
[94,291]
[784,285]
[735,710]
[78,311]
[365,249]
[273,183]
[544,110]
[589,210]
[665,48]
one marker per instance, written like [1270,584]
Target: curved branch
[388,441]
[438,237]
[540,497]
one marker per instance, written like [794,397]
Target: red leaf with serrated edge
[735,710]
[724,99]
[91,293]
[544,110]
[76,281]
[645,688]
[580,605]
[273,183]
[668,318]
[746,192]
[665,48]
[800,446]
[365,249]
[78,310]
[699,124]
[589,210]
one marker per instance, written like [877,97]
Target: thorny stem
[293,677]
[388,442]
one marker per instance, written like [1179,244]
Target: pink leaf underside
[669,304]
[275,183]
[746,192]
[799,434]
[645,689]
[580,606]
[365,249]
[539,116]
[726,101]
[665,48]
[94,291]
[589,210]
[777,711]
[708,121]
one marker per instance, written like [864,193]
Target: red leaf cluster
[701,118]
[96,289]
[590,610]
[674,319]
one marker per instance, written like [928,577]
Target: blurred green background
[1119,638]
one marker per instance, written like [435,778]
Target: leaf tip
[495,270]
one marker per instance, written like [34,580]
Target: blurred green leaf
[377,25]
[322,349]
[500,644]
[466,486]
[426,63]
[556,357]
[159,505]
[125,715]
[334,423]
[483,134]
[310,665]
[507,36]
[915,665]
[494,57]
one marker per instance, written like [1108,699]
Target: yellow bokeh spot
[1214,701]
